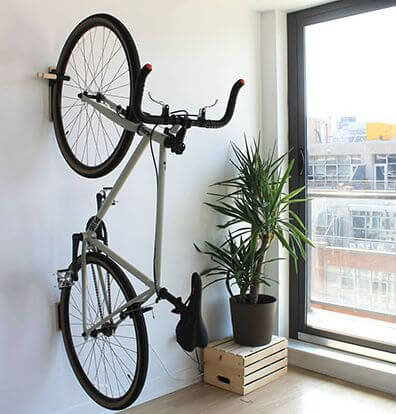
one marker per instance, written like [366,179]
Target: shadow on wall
[28,343]
[217,311]
[29,331]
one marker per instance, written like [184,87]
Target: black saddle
[191,330]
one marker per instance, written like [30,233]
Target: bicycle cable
[170,373]
[157,183]
[197,360]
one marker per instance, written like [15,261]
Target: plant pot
[253,324]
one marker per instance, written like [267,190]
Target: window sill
[357,369]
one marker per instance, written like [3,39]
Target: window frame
[296,23]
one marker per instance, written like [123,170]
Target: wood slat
[220,342]
[257,356]
[248,350]
[263,372]
[264,381]
[264,362]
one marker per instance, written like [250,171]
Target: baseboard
[357,369]
[87,407]
[154,388]
[165,384]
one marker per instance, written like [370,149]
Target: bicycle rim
[99,57]
[112,365]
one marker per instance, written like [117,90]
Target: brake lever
[161,103]
[164,106]
[202,111]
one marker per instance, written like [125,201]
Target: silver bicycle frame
[89,237]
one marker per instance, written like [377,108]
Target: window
[333,171]
[386,171]
[341,117]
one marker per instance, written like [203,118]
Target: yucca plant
[256,206]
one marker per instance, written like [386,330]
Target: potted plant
[256,205]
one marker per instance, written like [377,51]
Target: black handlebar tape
[139,115]
[229,110]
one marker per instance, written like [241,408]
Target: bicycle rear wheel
[112,364]
[100,56]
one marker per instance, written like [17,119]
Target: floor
[298,392]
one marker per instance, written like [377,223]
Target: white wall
[197,49]
[274,133]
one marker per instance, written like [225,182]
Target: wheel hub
[107,329]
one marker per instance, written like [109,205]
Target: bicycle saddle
[191,330]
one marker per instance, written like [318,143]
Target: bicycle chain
[97,292]
[108,290]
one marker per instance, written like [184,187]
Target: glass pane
[392,158]
[380,159]
[350,90]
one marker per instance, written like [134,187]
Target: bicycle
[101,316]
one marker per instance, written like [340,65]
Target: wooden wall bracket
[51,76]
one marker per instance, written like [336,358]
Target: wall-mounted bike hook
[52,78]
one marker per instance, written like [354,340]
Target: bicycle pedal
[64,278]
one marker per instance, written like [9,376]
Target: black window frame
[296,23]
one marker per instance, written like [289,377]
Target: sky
[351,67]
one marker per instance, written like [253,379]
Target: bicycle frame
[89,239]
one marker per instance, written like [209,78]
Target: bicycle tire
[71,325]
[86,37]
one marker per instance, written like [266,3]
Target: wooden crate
[242,369]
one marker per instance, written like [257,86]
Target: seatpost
[176,302]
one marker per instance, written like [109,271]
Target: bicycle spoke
[105,67]
[71,86]
[118,87]
[96,144]
[106,133]
[118,383]
[116,301]
[92,42]
[115,76]
[104,44]
[103,357]
[70,97]
[88,353]
[121,363]
[116,129]
[123,336]
[79,78]
[97,63]
[91,358]
[68,132]
[90,71]
[105,369]
[119,96]
[75,105]
[109,362]
[119,76]
[125,349]
[89,302]
[103,135]
[98,368]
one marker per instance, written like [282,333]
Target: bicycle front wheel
[111,365]
[100,57]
